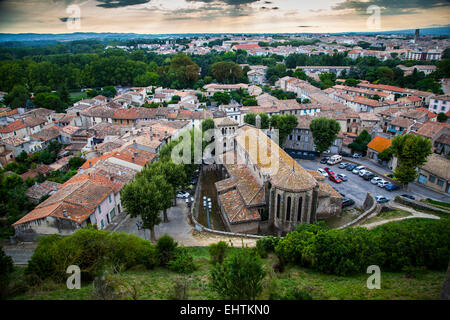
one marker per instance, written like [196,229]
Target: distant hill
[25,37]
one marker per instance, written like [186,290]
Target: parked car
[362,172]
[334,178]
[342,176]
[322,172]
[383,183]
[391,187]
[351,167]
[375,180]
[324,160]
[357,169]
[347,202]
[357,156]
[345,154]
[368,175]
[343,165]
[382,199]
[409,196]
[329,171]
[389,175]
[334,160]
[183,195]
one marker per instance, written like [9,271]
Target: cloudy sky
[190,16]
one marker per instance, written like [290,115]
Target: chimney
[90,164]
[132,159]
[65,212]
[111,178]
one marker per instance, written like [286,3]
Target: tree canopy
[324,131]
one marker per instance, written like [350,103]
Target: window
[290,137]
[440,183]
[99,209]
[109,198]
[299,210]
[288,210]
[278,205]
[432,178]
[306,138]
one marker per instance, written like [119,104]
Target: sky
[220,16]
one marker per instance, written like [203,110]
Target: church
[263,188]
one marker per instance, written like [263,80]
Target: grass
[388,216]
[345,217]
[437,204]
[158,284]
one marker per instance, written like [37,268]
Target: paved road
[356,187]
[177,227]
[415,214]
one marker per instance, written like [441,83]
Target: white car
[357,156]
[383,183]
[342,176]
[357,169]
[362,172]
[375,180]
[322,172]
[183,195]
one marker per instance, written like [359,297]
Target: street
[356,187]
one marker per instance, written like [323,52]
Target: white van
[334,160]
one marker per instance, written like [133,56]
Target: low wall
[419,205]
[370,205]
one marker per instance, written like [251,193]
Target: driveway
[178,226]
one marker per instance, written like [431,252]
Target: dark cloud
[391,7]
[120,3]
[228,2]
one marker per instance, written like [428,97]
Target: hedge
[393,246]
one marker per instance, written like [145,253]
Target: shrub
[393,246]
[166,249]
[266,245]
[239,277]
[183,262]
[6,268]
[93,251]
[296,294]
[217,251]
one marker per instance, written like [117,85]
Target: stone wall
[370,205]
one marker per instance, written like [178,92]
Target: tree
[250,102]
[442,117]
[142,198]
[226,71]
[327,80]
[207,124]
[300,74]
[76,162]
[6,268]
[411,151]
[361,142]
[285,124]
[221,98]
[250,118]
[239,277]
[351,82]
[109,91]
[324,131]
[17,98]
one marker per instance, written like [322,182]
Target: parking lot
[356,187]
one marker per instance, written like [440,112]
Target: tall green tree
[360,143]
[412,152]
[285,124]
[142,198]
[324,131]
[226,71]
[17,98]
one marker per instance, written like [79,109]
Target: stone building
[263,185]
